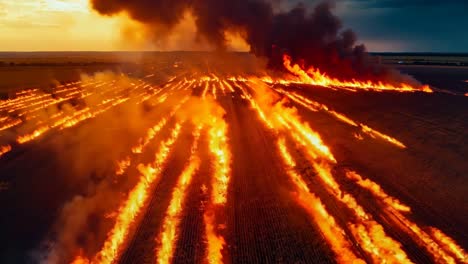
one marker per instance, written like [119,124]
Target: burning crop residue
[172,220]
[202,102]
[316,77]
[121,138]
[310,44]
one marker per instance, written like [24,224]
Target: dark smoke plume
[312,37]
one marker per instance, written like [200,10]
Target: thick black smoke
[312,37]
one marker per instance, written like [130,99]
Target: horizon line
[232,51]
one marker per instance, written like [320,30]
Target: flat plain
[224,165]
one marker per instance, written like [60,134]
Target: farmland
[198,157]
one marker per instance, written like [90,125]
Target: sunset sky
[55,25]
[385,25]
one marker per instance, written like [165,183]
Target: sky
[383,25]
[408,25]
[48,25]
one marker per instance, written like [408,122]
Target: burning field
[210,167]
[305,151]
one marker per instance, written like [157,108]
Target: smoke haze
[312,36]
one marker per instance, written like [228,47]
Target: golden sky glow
[45,25]
[71,25]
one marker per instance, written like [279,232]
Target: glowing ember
[214,91]
[205,90]
[10,123]
[80,260]
[229,86]
[389,139]
[4,150]
[38,132]
[122,166]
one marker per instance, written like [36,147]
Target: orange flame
[221,86]
[153,131]
[380,247]
[87,115]
[205,90]
[389,139]
[256,107]
[229,86]
[172,219]
[374,240]
[137,198]
[70,121]
[358,136]
[215,242]
[423,239]
[343,118]
[123,165]
[313,106]
[316,77]
[4,150]
[80,259]
[442,248]
[449,244]
[312,139]
[369,233]
[376,190]
[37,133]
[334,235]
[287,119]
[220,150]
[213,87]
[10,124]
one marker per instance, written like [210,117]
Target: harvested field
[179,160]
